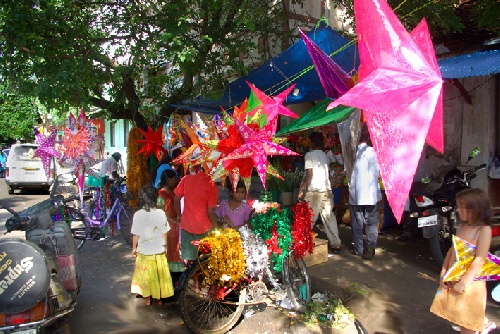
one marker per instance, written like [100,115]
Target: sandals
[336,249]
[147,300]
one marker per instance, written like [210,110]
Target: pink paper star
[273,106]
[258,146]
[399,89]
[46,150]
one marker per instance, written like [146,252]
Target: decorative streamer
[273,226]
[302,234]
[227,261]
[137,166]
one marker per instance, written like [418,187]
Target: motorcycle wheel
[126,217]
[441,241]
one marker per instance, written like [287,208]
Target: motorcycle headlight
[446,208]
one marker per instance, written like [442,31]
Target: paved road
[397,289]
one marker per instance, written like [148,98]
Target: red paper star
[153,142]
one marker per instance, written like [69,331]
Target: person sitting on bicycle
[234,212]
[109,166]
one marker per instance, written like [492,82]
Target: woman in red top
[168,181]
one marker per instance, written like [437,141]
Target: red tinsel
[272,242]
[302,233]
[108,199]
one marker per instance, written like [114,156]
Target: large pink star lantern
[46,150]
[258,146]
[399,90]
[272,106]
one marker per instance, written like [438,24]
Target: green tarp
[317,116]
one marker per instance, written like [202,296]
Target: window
[126,127]
[112,134]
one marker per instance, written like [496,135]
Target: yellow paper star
[465,252]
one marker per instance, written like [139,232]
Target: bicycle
[214,308]
[78,211]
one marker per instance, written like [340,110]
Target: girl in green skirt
[151,278]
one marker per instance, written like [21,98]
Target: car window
[24,153]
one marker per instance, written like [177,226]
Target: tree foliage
[18,116]
[122,56]
[131,58]
[444,17]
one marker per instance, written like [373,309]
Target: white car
[25,171]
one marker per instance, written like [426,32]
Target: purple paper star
[45,150]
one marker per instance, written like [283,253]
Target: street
[393,292]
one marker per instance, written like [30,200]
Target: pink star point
[399,91]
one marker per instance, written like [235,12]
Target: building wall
[466,126]
[115,139]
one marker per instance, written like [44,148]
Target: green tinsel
[262,225]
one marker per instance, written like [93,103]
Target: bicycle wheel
[126,217]
[77,225]
[296,280]
[201,308]
[80,235]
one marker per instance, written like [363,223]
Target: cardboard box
[320,253]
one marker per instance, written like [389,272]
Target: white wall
[120,136]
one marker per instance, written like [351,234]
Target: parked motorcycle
[39,276]
[434,213]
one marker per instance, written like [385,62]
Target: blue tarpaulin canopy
[294,65]
[470,65]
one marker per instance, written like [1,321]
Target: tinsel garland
[227,261]
[62,214]
[274,227]
[255,251]
[137,166]
[302,234]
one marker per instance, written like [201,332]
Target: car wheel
[11,190]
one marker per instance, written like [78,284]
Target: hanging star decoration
[240,113]
[46,150]
[333,78]
[153,142]
[171,137]
[465,252]
[234,169]
[197,153]
[399,90]
[76,147]
[258,145]
[272,106]
[75,141]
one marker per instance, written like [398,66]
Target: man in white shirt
[364,198]
[109,166]
[317,191]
